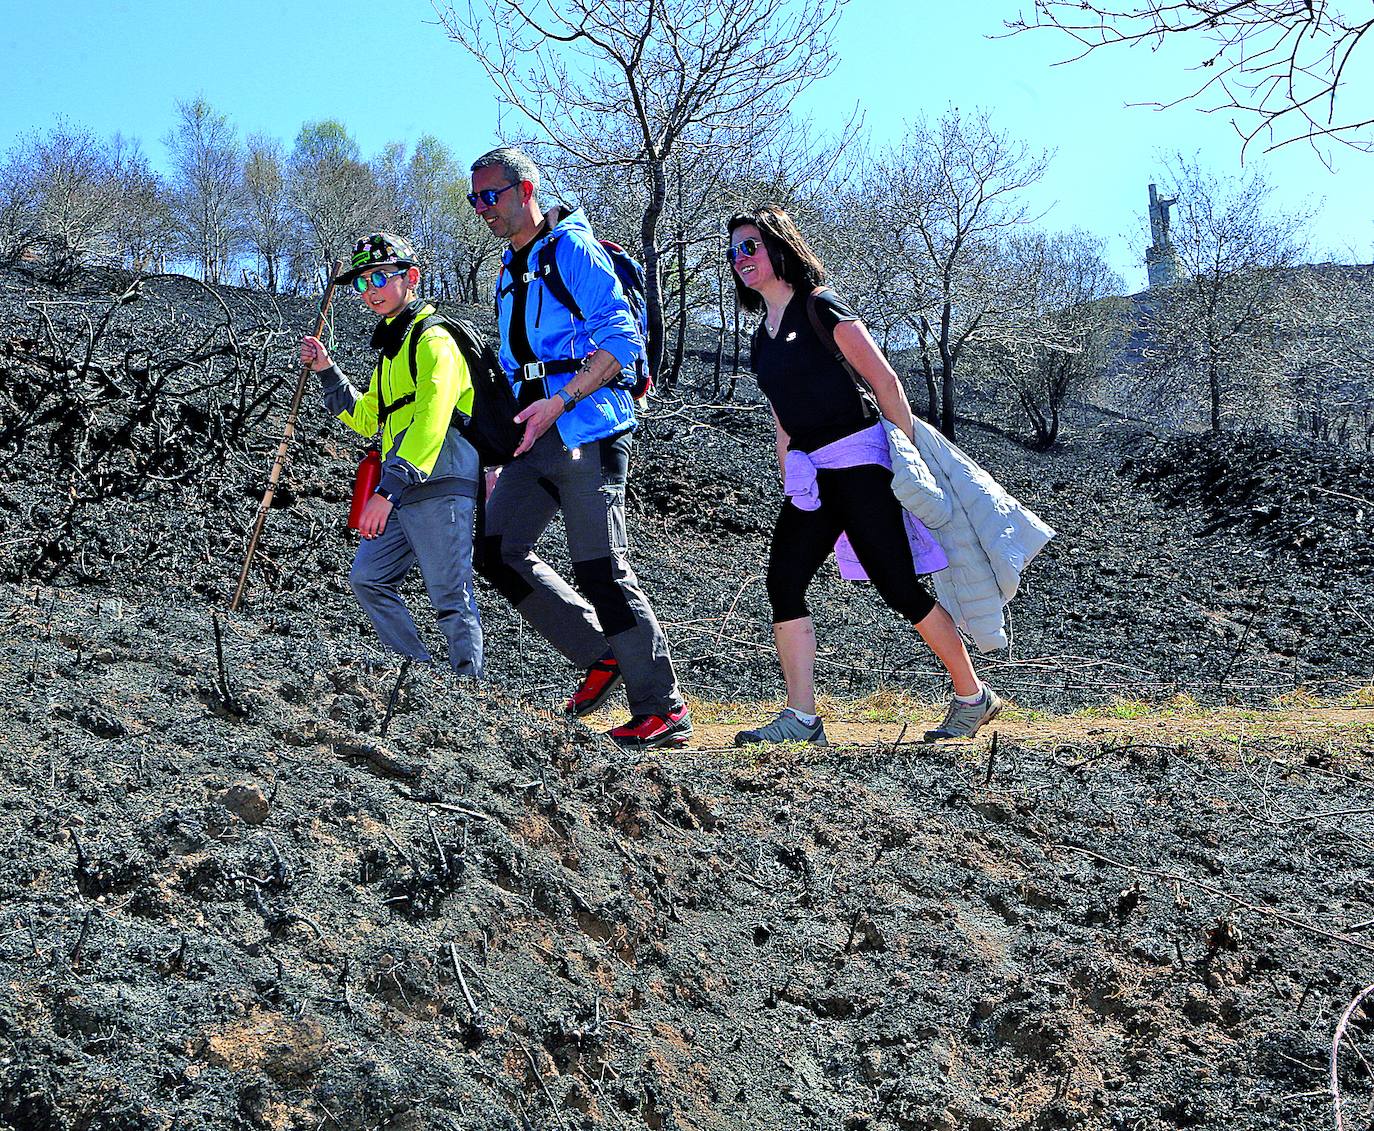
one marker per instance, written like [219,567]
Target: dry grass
[1343,725]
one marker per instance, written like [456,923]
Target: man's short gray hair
[515,163]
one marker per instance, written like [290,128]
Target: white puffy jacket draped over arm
[987,535]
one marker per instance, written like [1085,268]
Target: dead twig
[391,699]
[1329,813]
[992,755]
[81,938]
[396,844]
[226,696]
[438,847]
[462,981]
[309,922]
[1336,1048]
[448,808]
[553,1103]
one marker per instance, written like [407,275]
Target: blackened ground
[226,901]
[235,905]
[1233,569]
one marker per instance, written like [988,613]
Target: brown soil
[1302,727]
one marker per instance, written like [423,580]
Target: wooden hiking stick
[277,464]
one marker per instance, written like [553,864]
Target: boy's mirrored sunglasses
[377,279]
[489,196]
[744,248]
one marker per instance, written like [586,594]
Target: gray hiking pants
[437,534]
[588,485]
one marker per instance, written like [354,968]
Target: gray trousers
[437,534]
[588,485]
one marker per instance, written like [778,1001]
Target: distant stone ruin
[1161,261]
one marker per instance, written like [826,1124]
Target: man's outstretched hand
[537,419]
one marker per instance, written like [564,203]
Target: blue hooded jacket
[555,334]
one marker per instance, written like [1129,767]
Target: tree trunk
[720,334]
[932,400]
[946,375]
[680,343]
[653,287]
[1214,388]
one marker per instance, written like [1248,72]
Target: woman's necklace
[772,320]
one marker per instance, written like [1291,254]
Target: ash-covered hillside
[138,435]
[228,900]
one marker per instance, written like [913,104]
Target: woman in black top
[820,410]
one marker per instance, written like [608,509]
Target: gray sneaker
[785,728]
[963,720]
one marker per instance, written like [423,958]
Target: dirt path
[1344,727]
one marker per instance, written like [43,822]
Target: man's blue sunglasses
[489,196]
[377,279]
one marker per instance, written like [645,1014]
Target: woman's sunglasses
[377,279]
[745,247]
[489,196]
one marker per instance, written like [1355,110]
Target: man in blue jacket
[570,370]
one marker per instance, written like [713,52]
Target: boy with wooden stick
[422,510]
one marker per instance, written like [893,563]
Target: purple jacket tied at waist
[868,446]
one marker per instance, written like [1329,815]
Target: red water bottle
[364,485]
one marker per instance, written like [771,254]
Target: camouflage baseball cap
[377,249]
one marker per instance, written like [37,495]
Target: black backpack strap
[385,408]
[434,318]
[418,327]
[382,410]
[553,278]
[827,339]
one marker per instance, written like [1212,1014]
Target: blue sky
[121,66]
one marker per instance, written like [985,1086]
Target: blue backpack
[631,276]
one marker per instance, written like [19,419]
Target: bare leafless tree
[140,223]
[1216,337]
[269,225]
[72,199]
[1072,325]
[335,195]
[431,178]
[1279,65]
[1331,361]
[71,171]
[207,162]
[473,252]
[638,84]
[797,168]
[19,223]
[424,191]
[953,198]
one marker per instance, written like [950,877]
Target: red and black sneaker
[644,731]
[601,679]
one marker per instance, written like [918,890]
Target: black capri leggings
[857,501]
